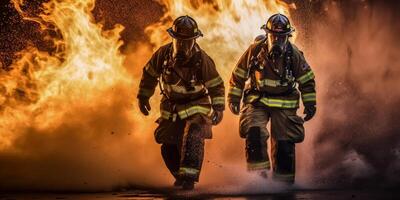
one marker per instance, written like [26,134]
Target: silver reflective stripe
[182,89]
[306,77]
[218,100]
[279,103]
[151,71]
[258,165]
[187,170]
[194,110]
[235,91]
[309,97]
[214,82]
[284,177]
[271,83]
[240,73]
[168,116]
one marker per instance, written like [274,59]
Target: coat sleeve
[214,84]
[239,77]
[304,77]
[151,72]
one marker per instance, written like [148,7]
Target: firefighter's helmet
[278,24]
[184,28]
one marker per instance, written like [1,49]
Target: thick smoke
[353,46]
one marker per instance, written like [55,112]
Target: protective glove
[144,106]
[234,107]
[216,117]
[310,112]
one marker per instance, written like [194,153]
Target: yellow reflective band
[145,92]
[165,114]
[309,97]
[235,91]
[151,71]
[214,82]
[240,73]
[258,165]
[193,110]
[187,170]
[279,103]
[251,98]
[284,177]
[271,83]
[306,77]
[182,89]
[218,100]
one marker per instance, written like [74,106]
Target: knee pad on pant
[256,146]
[285,156]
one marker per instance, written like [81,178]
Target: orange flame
[87,63]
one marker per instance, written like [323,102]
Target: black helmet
[184,28]
[278,24]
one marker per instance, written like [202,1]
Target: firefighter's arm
[214,84]
[305,78]
[151,73]
[239,77]
[148,83]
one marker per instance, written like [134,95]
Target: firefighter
[193,100]
[268,79]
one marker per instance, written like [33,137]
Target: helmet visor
[277,42]
[182,48]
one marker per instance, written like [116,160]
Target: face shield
[277,44]
[182,50]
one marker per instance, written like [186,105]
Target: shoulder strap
[254,63]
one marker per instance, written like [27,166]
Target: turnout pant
[184,156]
[286,130]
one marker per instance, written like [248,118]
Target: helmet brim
[176,35]
[267,30]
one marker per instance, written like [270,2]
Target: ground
[147,194]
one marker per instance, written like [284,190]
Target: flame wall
[69,119]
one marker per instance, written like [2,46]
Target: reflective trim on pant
[289,178]
[185,171]
[256,150]
[192,152]
[258,166]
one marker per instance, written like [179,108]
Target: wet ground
[143,194]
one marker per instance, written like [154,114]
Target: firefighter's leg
[192,150]
[253,122]
[283,145]
[171,157]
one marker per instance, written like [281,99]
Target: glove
[310,112]
[234,107]
[216,117]
[144,106]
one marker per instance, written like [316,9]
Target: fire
[228,26]
[41,87]
[43,90]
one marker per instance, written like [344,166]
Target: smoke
[354,141]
